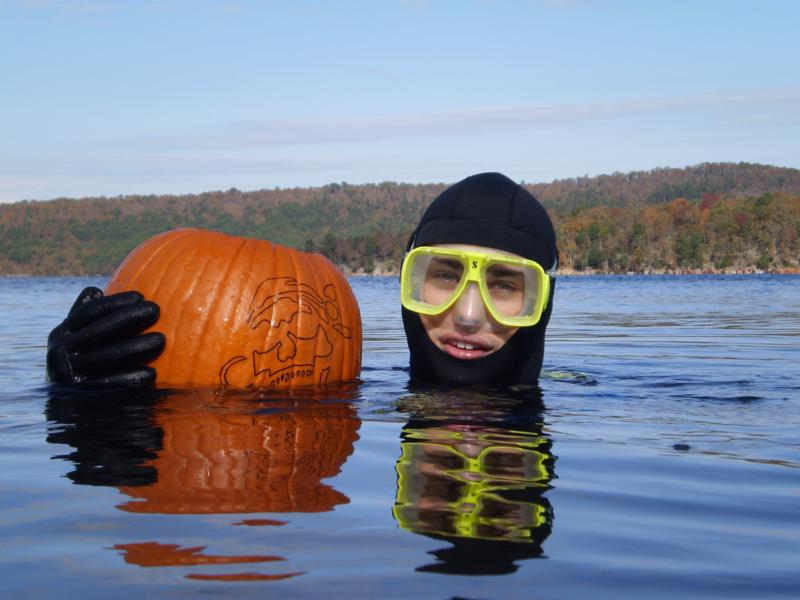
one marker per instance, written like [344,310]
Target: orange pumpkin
[244,312]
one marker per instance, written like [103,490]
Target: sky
[119,97]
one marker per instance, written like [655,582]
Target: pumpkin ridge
[240,307]
[147,260]
[189,362]
[169,244]
[300,319]
[347,304]
[299,277]
[272,332]
[216,305]
[168,300]
[320,285]
[327,341]
[337,285]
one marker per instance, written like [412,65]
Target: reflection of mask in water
[481,485]
[473,470]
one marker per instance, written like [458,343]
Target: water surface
[658,459]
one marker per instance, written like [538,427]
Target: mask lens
[513,289]
[434,279]
[503,462]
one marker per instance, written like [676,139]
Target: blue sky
[115,97]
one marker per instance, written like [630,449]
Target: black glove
[100,341]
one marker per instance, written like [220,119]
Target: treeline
[729,180]
[92,235]
[713,234]
[711,217]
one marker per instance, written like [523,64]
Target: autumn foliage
[715,217]
[710,235]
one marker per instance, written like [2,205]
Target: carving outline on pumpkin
[295,360]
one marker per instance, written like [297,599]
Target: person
[476,295]
[476,288]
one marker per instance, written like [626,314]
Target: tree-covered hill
[730,180]
[715,216]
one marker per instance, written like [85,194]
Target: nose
[469,309]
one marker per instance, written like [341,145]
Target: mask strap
[412,240]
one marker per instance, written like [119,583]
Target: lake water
[660,459]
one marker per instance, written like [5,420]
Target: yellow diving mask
[515,290]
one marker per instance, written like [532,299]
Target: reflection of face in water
[477,481]
[194,452]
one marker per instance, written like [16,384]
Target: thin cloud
[566,3]
[171,166]
[108,6]
[470,121]
[82,176]
[74,6]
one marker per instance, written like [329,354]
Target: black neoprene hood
[489,210]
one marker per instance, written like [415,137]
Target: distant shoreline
[714,218]
[653,272]
[558,273]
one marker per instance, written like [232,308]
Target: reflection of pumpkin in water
[154,554]
[226,461]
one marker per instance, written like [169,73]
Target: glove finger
[88,293]
[59,369]
[61,330]
[94,307]
[137,376]
[130,352]
[129,319]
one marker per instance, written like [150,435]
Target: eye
[502,285]
[505,280]
[444,272]
[445,275]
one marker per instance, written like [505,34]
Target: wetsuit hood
[488,210]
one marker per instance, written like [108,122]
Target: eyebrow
[447,262]
[501,271]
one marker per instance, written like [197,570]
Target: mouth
[465,349]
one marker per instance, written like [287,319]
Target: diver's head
[475,290]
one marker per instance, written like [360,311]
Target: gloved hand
[100,341]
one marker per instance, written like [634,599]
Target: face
[467,330]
